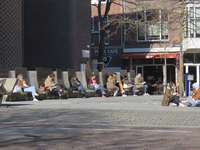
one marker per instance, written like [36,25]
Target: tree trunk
[101,48]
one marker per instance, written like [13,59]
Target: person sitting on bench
[52,86]
[94,86]
[194,99]
[76,84]
[25,87]
[170,96]
[128,85]
[138,84]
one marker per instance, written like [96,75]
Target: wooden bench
[42,74]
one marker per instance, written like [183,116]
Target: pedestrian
[138,84]
[94,86]
[52,86]
[194,99]
[170,96]
[127,85]
[26,88]
[76,85]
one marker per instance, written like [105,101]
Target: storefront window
[192,58]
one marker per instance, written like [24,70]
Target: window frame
[145,28]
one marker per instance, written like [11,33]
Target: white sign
[85,53]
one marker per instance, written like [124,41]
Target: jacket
[20,83]
[166,97]
[125,81]
[196,95]
[74,83]
[137,82]
[50,82]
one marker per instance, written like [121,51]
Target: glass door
[139,69]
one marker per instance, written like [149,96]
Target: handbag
[17,89]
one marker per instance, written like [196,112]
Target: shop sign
[85,53]
[107,52]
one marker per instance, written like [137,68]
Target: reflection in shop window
[192,58]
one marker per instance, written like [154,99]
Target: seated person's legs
[174,99]
[81,88]
[197,102]
[190,100]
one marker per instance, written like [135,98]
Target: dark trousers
[58,89]
[174,99]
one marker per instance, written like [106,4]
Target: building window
[152,25]
[192,22]
[107,23]
[92,23]
[97,1]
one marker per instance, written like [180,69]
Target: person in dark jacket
[76,84]
[171,97]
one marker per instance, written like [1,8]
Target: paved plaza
[98,123]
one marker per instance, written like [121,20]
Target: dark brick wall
[55,32]
[11,33]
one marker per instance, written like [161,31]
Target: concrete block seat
[6,87]
[90,92]
[72,93]
[4,73]
[59,76]
[42,74]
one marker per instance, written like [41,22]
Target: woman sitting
[112,84]
[52,86]
[25,87]
[94,86]
[194,99]
[76,84]
[128,85]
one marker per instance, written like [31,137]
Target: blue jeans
[81,88]
[194,103]
[30,89]
[197,102]
[100,87]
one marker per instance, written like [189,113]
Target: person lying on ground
[171,97]
[95,86]
[52,86]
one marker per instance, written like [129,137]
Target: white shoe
[123,91]
[124,95]
[181,105]
[35,100]
[115,94]
[134,95]
[35,94]
[184,101]
[173,104]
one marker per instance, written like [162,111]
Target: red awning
[148,55]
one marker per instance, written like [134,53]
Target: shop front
[151,66]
